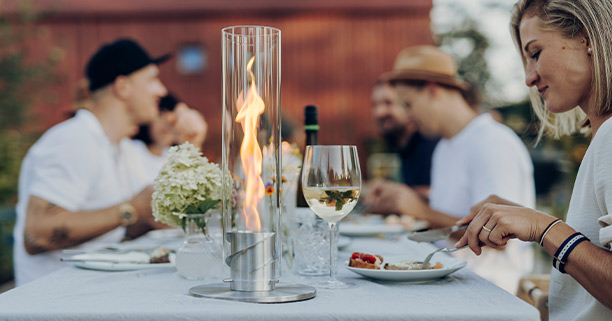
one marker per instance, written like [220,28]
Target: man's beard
[393,138]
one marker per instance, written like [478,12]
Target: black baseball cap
[119,58]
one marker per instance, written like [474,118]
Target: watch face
[126,212]
[127,216]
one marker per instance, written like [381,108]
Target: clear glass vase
[199,257]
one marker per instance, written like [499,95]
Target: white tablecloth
[160,294]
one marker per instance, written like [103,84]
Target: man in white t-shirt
[82,182]
[475,158]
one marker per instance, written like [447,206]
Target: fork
[444,249]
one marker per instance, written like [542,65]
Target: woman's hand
[492,199]
[190,126]
[495,224]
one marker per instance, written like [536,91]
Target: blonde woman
[566,48]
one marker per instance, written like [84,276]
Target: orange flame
[250,153]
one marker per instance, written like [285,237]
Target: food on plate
[375,262]
[412,265]
[160,255]
[405,220]
[365,261]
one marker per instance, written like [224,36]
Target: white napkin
[605,232]
[119,257]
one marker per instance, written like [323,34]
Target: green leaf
[339,204]
[191,209]
[200,223]
[184,223]
[206,205]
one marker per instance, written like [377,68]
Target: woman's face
[162,129]
[559,67]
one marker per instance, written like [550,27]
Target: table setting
[239,249]
[162,294]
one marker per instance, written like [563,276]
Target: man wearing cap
[80,183]
[475,158]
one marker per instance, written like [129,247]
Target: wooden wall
[331,56]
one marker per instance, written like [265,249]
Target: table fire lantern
[251,164]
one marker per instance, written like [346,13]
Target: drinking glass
[331,182]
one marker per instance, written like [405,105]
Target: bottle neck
[312,137]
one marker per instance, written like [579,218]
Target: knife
[103,260]
[436,234]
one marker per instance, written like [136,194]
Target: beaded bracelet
[548,229]
[565,249]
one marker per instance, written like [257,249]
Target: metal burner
[283,292]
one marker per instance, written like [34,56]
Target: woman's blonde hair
[572,18]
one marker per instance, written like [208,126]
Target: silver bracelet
[546,231]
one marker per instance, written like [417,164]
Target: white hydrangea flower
[187,178]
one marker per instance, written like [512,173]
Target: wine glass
[331,182]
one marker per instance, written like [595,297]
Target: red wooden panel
[329,59]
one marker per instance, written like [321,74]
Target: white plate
[365,229]
[126,262]
[450,265]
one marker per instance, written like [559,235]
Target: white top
[591,201]
[162,295]
[485,158]
[151,162]
[74,165]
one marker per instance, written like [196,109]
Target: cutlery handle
[459,227]
[453,249]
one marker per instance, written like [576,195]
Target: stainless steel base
[283,292]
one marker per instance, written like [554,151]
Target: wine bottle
[311,127]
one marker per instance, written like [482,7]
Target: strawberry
[369,258]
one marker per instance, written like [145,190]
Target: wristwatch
[127,214]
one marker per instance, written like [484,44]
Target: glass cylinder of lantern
[251,156]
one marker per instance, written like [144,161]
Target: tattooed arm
[49,227]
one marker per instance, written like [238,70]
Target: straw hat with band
[425,63]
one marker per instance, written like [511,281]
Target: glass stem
[332,257]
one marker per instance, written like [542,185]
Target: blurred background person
[78,184]
[475,158]
[401,136]
[176,123]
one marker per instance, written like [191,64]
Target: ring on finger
[486,229]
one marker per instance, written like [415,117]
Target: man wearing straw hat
[475,158]
[82,183]
[402,136]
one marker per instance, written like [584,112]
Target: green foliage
[20,84]
[468,46]
[7,219]
[12,148]
[338,198]
[202,208]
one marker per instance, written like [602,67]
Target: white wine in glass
[331,181]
